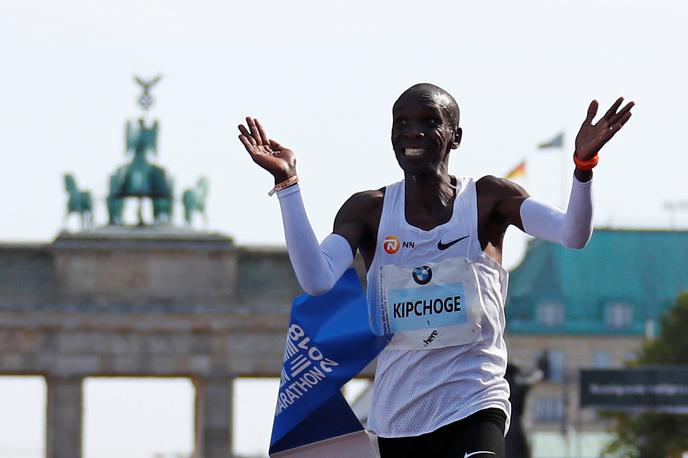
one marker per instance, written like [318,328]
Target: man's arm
[317,266]
[573,228]
[357,221]
[499,203]
[513,206]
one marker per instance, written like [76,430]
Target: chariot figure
[141,178]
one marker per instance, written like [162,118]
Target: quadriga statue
[141,178]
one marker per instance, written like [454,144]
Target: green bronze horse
[194,201]
[79,202]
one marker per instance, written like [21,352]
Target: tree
[657,435]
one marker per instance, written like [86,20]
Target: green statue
[194,201]
[140,178]
[79,202]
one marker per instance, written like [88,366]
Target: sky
[322,77]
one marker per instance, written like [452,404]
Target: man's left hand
[592,137]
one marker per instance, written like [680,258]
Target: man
[432,245]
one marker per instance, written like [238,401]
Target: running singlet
[443,299]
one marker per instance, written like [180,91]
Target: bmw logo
[422,275]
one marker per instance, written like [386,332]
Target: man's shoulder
[366,200]
[490,181]
[362,205]
[490,185]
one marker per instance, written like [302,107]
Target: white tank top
[417,391]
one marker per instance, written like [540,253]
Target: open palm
[267,153]
[592,137]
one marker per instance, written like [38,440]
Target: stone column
[213,424]
[64,417]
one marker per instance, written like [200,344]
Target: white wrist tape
[317,267]
[572,229]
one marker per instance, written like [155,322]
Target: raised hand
[267,153]
[592,137]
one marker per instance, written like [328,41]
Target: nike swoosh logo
[444,246]
[475,453]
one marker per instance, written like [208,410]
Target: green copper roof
[639,271]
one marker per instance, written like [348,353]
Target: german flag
[518,171]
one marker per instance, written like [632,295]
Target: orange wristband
[586,165]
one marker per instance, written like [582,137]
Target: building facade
[156,302]
[589,308]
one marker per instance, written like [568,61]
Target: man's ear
[456,141]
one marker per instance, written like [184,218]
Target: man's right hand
[267,153]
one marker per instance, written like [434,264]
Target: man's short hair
[436,94]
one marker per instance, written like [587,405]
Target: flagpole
[558,143]
[562,186]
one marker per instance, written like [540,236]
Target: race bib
[433,305]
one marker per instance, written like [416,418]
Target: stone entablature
[154,267]
[72,343]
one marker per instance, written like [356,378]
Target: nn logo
[392,244]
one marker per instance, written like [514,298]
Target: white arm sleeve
[572,229]
[317,267]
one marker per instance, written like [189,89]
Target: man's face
[423,133]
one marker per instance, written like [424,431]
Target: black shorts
[481,432]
